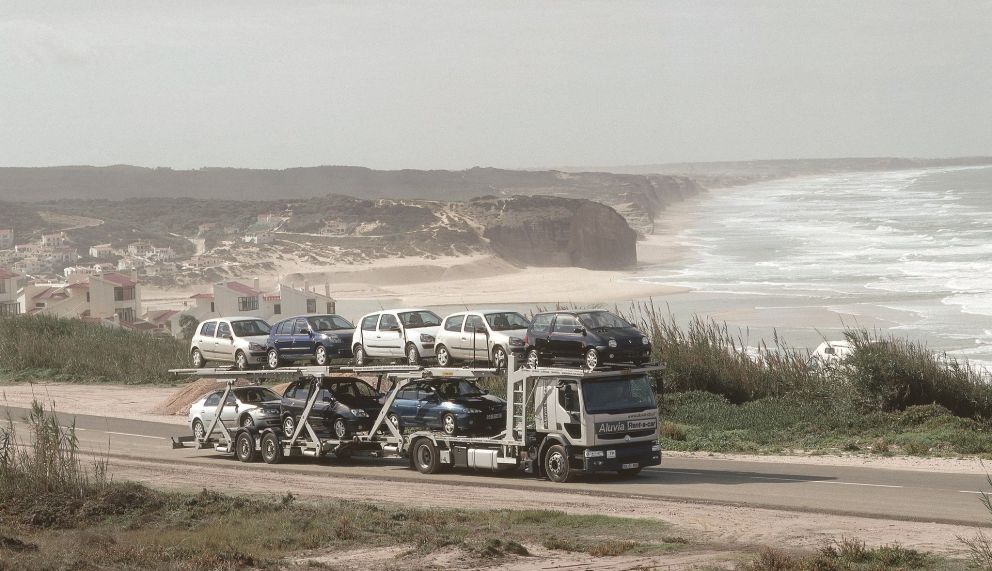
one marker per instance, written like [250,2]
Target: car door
[389,336]
[427,405]
[474,339]
[405,403]
[540,331]
[229,415]
[450,335]
[302,338]
[209,406]
[566,339]
[206,339]
[224,342]
[295,398]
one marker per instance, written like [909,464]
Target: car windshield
[250,327]
[601,320]
[623,394]
[330,323]
[255,395]
[506,321]
[456,389]
[415,319]
[353,388]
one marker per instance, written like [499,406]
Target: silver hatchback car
[487,335]
[237,340]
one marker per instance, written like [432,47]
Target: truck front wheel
[557,465]
[425,457]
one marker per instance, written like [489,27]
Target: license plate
[494,416]
[630,466]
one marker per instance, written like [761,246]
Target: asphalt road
[870,492]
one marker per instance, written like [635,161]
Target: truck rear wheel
[244,447]
[557,465]
[271,449]
[425,457]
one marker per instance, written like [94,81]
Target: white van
[395,333]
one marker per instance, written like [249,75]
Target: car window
[223,329]
[212,400]
[302,391]
[231,400]
[285,327]
[250,327]
[409,392]
[542,323]
[566,324]
[329,323]
[301,326]
[473,323]
[208,329]
[506,320]
[454,323]
[601,319]
[368,324]
[415,319]
[388,322]
[254,395]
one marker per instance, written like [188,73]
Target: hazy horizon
[443,85]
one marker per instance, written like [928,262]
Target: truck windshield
[616,395]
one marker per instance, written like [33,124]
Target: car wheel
[241,361]
[271,448]
[272,359]
[247,421]
[288,426]
[557,465]
[443,356]
[629,472]
[448,424]
[320,356]
[199,432]
[412,355]
[533,359]
[425,457]
[340,429]
[499,358]
[244,447]
[592,359]
[361,358]
[395,419]
[196,358]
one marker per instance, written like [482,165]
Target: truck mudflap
[615,458]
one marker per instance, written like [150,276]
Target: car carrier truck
[560,422]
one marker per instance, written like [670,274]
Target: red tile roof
[119,279]
[49,293]
[5,275]
[202,296]
[242,288]
[79,285]
[161,315]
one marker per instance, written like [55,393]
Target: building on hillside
[259,238]
[30,265]
[166,253]
[203,306]
[140,248]
[101,251]
[6,238]
[78,273]
[62,255]
[164,320]
[235,298]
[130,263]
[115,295]
[293,301]
[207,227]
[9,304]
[56,299]
[54,239]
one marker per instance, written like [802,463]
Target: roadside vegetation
[52,348]
[891,396]
[846,555]
[59,511]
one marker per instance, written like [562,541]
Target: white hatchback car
[238,340]
[394,334]
[488,335]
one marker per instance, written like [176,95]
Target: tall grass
[33,346]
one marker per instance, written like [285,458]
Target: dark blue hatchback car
[453,406]
[316,338]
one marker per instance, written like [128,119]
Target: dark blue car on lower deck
[453,406]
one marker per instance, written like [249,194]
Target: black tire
[591,358]
[241,361]
[449,425]
[425,457]
[272,360]
[244,447]
[199,431]
[533,359]
[499,358]
[271,448]
[629,472]
[557,465]
[340,428]
[288,426]
[246,421]
[443,356]
[196,359]
[320,356]
[361,357]
[412,355]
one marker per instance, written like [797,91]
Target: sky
[508,84]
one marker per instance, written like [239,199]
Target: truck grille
[632,434]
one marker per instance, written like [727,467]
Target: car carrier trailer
[560,422]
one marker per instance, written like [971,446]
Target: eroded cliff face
[553,231]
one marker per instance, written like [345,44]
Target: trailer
[559,422]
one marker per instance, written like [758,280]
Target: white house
[101,251]
[6,238]
[9,304]
[235,298]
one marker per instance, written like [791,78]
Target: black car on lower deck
[344,407]
[592,337]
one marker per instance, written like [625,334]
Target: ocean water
[906,252]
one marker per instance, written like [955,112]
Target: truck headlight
[425,338]
[255,347]
[612,343]
[593,453]
[644,341]
[516,342]
[359,413]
